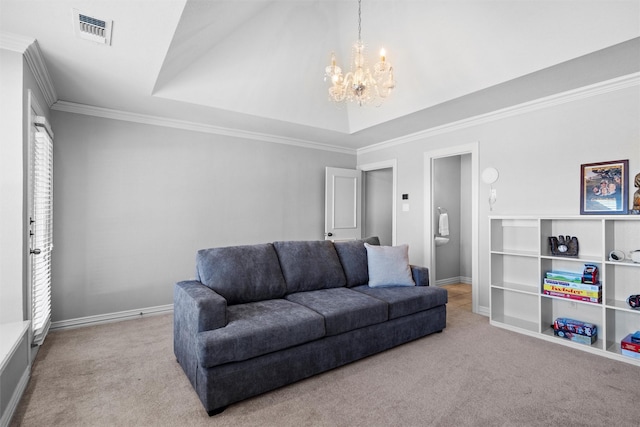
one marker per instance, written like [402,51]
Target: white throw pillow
[389,266]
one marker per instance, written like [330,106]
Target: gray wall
[538,153]
[12,188]
[134,202]
[446,184]
[378,191]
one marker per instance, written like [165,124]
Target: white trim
[385,164]
[429,241]
[454,281]
[72,107]
[15,42]
[596,89]
[449,281]
[483,310]
[29,48]
[466,280]
[38,67]
[111,317]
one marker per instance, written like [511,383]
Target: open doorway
[456,253]
[378,205]
[379,195]
[452,225]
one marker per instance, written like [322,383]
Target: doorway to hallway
[379,196]
[431,217]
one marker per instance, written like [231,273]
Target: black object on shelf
[634,301]
[563,246]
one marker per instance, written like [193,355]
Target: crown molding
[15,42]
[88,110]
[596,89]
[538,104]
[38,67]
[29,48]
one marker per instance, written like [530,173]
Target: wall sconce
[489,176]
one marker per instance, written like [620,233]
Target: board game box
[628,344]
[630,353]
[575,330]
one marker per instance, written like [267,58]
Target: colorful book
[565,276]
[582,286]
[573,297]
[572,291]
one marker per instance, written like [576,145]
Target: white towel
[444,224]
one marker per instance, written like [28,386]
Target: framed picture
[604,188]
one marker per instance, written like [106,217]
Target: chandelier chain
[359,20]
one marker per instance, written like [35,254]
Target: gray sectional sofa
[262,316]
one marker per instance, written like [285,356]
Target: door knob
[35,251]
[329,234]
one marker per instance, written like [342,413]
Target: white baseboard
[111,317]
[483,311]
[15,398]
[453,280]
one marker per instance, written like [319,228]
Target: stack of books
[630,345]
[569,285]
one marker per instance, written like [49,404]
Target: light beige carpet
[472,374]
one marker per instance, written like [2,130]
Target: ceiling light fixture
[360,85]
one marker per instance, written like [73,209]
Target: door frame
[385,164]
[429,208]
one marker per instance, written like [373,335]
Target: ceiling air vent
[91,28]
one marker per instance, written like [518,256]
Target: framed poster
[604,188]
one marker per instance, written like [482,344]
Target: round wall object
[490,175]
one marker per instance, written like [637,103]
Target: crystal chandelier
[360,85]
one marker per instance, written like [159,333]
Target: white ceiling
[258,65]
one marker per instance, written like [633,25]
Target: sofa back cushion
[242,274]
[309,265]
[353,257]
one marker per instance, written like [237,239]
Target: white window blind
[42,231]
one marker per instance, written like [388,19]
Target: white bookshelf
[520,257]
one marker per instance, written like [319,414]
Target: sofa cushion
[258,328]
[389,266]
[242,274]
[309,265]
[406,300]
[353,257]
[343,309]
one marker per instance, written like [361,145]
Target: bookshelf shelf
[520,258]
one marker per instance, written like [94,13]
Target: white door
[343,194]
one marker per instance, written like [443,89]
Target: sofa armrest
[420,275]
[196,308]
